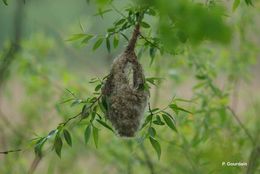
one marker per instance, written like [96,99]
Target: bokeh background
[46,64]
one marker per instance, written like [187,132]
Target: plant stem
[76,116]
[154,45]
[10,151]
[35,164]
[131,45]
[241,125]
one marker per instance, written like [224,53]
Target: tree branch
[131,45]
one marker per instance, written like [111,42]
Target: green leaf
[145,25]
[94,80]
[71,93]
[76,102]
[67,137]
[97,88]
[115,41]
[38,146]
[95,136]
[152,132]
[86,39]
[125,26]
[169,122]
[93,115]
[98,43]
[87,134]
[151,12]
[158,121]
[176,109]
[104,103]
[147,120]
[5,2]
[153,79]
[108,44]
[206,24]
[249,2]
[169,115]
[76,37]
[65,101]
[147,87]
[152,52]
[156,145]
[85,111]
[58,145]
[121,21]
[102,106]
[201,77]
[235,4]
[111,30]
[104,124]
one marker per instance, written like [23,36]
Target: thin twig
[76,116]
[118,11]
[154,45]
[35,164]
[241,125]
[63,124]
[255,152]
[253,160]
[150,109]
[10,151]
[124,36]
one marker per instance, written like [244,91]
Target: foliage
[193,40]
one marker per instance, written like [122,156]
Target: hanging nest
[126,97]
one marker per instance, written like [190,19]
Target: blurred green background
[213,75]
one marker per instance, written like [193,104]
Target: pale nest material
[126,102]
